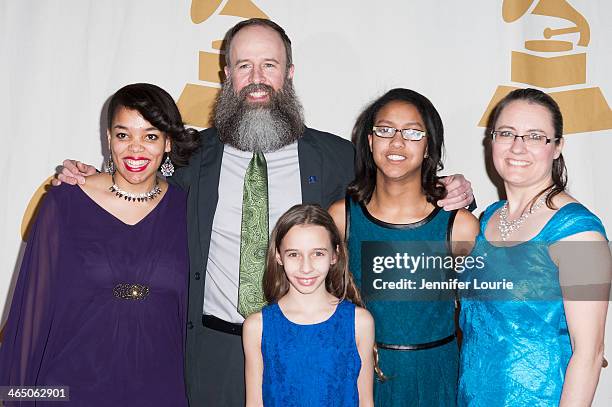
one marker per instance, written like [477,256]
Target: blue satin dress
[516,346]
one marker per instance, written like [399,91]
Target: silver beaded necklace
[132,197]
[507,227]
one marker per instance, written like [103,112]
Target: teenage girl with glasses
[399,139]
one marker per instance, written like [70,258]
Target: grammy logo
[196,100]
[555,65]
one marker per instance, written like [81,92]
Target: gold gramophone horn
[202,9]
[512,10]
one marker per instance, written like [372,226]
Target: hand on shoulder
[73,172]
[459,192]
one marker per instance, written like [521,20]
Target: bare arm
[586,316]
[459,192]
[253,360]
[364,336]
[338,213]
[464,232]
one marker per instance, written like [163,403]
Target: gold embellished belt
[131,291]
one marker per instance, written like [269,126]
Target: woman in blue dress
[541,342]
[399,140]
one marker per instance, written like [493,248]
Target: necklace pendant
[507,227]
[132,197]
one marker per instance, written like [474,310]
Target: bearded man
[258,119]
[259,154]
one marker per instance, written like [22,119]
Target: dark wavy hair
[262,22]
[535,96]
[159,109]
[362,187]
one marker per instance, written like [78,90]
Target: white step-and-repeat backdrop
[62,59]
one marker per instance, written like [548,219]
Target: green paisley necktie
[253,236]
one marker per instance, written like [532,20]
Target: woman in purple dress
[100,303]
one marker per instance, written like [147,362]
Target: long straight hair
[339,281]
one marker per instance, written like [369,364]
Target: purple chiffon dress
[100,306]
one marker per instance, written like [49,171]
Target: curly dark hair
[159,109]
[362,187]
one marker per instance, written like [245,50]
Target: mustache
[255,87]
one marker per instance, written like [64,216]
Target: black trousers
[216,373]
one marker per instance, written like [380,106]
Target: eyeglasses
[407,134]
[530,139]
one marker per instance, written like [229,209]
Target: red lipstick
[138,168]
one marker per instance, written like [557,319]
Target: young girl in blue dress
[394,200]
[312,345]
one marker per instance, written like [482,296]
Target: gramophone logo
[196,101]
[553,63]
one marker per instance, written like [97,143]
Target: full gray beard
[266,128]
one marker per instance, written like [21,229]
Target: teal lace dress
[426,376]
[516,345]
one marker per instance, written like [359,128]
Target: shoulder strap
[569,220]
[347,217]
[486,215]
[449,231]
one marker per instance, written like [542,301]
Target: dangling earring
[167,168]
[110,165]
[426,155]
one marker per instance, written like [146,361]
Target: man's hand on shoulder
[73,172]
[459,192]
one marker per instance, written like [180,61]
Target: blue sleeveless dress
[310,365]
[424,377]
[515,351]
